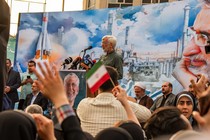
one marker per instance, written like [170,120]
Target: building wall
[98,4]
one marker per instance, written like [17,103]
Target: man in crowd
[12,84]
[35,97]
[141,97]
[104,110]
[195,59]
[27,80]
[167,99]
[111,58]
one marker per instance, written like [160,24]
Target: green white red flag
[96,76]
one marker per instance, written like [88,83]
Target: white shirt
[104,110]
[34,98]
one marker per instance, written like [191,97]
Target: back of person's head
[34,108]
[108,85]
[17,125]
[170,85]
[88,136]
[188,135]
[165,121]
[113,133]
[133,129]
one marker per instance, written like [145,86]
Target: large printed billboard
[150,38]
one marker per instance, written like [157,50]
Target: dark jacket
[40,100]
[72,130]
[169,102]
[146,101]
[13,81]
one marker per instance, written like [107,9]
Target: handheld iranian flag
[96,76]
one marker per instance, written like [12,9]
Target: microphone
[75,63]
[90,47]
[67,61]
[88,59]
[87,62]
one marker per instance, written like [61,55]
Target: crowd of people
[111,114]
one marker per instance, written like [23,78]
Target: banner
[151,39]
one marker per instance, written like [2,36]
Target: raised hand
[200,87]
[45,127]
[51,84]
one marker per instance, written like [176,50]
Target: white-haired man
[141,96]
[111,58]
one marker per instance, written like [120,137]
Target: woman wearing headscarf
[185,102]
[113,133]
[16,125]
[133,129]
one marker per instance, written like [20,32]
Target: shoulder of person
[158,98]
[149,98]
[172,95]
[29,95]
[24,75]
[33,76]
[135,105]
[86,101]
[118,55]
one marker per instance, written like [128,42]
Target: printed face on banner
[75,85]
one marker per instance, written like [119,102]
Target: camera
[28,77]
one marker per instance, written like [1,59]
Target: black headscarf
[133,129]
[16,125]
[113,133]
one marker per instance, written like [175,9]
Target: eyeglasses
[199,38]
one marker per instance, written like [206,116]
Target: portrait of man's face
[75,85]
[71,83]
[195,50]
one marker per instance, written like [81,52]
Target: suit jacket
[169,102]
[40,100]
[13,81]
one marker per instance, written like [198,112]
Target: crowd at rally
[45,104]
[111,114]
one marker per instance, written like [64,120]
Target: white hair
[67,77]
[34,109]
[111,39]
